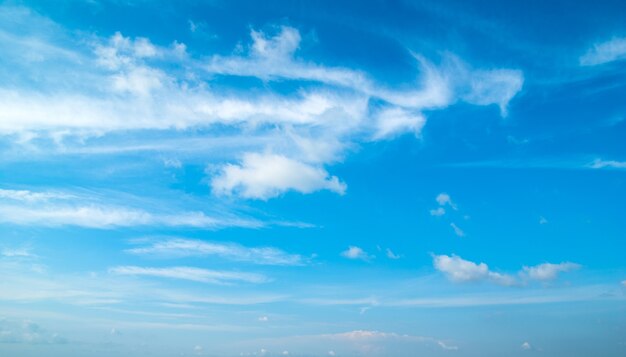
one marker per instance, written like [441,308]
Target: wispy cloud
[458,231]
[119,77]
[607,164]
[605,52]
[192,274]
[50,208]
[179,247]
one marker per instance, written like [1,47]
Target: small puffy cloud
[285,353]
[438,212]
[331,353]
[444,199]
[548,271]
[460,270]
[607,164]
[263,318]
[191,274]
[264,176]
[605,52]
[354,252]
[391,255]
[458,231]
[526,346]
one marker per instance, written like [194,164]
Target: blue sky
[228,178]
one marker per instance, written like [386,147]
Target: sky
[312,178]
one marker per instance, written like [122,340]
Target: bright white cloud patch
[396,121]
[179,247]
[548,271]
[605,52]
[192,274]
[263,176]
[444,199]
[526,346]
[460,270]
[354,252]
[439,211]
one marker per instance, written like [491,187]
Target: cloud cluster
[460,270]
[132,85]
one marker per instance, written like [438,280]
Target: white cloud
[17,253]
[263,176]
[526,346]
[391,255]
[263,318]
[395,121]
[108,216]
[179,247]
[548,271]
[354,252]
[605,52]
[130,85]
[27,332]
[192,274]
[447,347]
[459,270]
[439,211]
[444,199]
[458,231]
[603,164]
[331,353]
[30,196]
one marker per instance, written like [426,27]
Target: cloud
[354,252]
[526,346]
[192,274]
[50,208]
[17,253]
[263,176]
[30,196]
[109,217]
[27,332]
[395,121]
[180,247]
[624,283]
[391,255]
[167,90]
[263,318]
[459,270]
[458,231]
[548,271]
[439,211]
[542,220]
[602,164]
[605,52]
[372,336]
[444,199]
